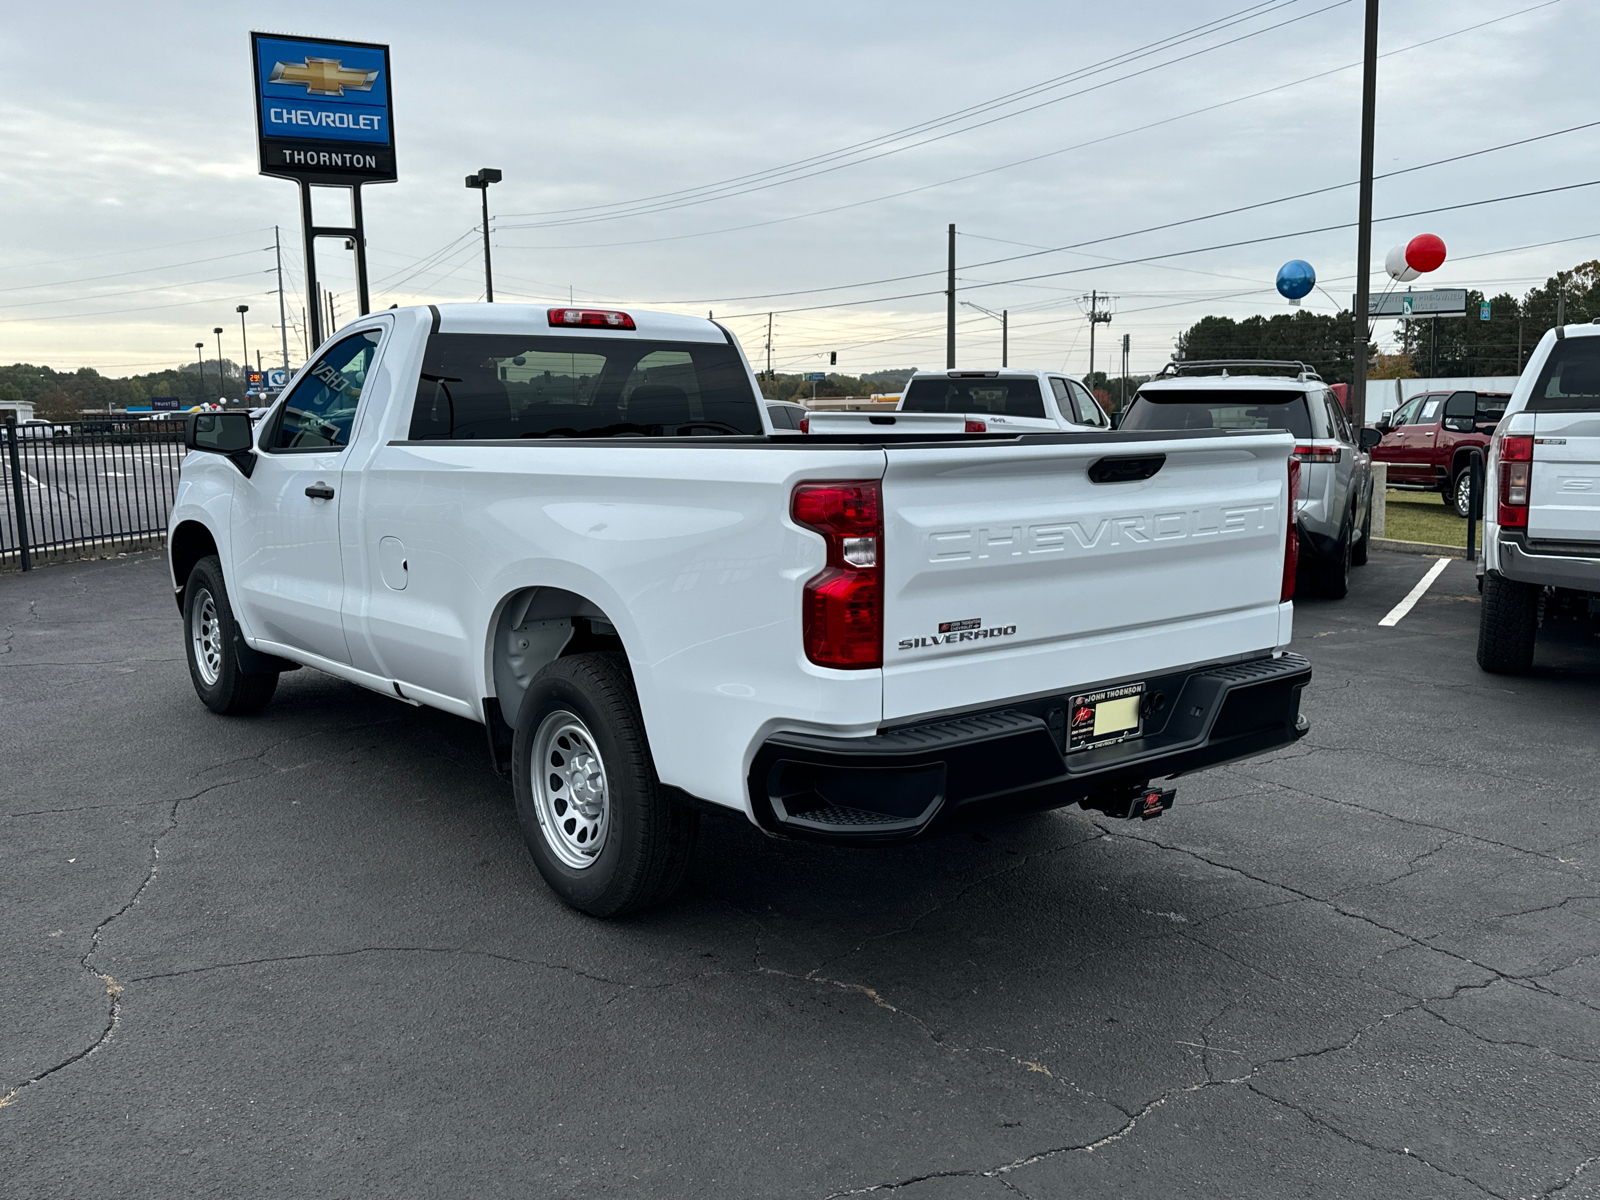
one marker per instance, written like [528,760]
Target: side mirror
[225,433]
[1370,438]
[1385,420]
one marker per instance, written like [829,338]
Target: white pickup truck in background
[576,527]
[1541,511]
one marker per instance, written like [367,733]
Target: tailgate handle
[1126,468]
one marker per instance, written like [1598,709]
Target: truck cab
[1006,400]
[1428,442]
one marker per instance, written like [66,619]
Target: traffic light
[833,358]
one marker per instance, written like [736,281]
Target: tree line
[67,395]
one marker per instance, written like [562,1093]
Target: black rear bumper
[905,781]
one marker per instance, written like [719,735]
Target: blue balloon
[1296,279]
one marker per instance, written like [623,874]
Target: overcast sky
[135,220]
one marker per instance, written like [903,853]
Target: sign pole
[308,231]
[362,298]
[1369,104]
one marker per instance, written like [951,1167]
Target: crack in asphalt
[1247,1080]
[1573,1177]
[1489,1041]
[353,951]
[113,988]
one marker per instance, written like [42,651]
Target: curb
[1430,549]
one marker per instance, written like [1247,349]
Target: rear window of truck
[998,397]
[1216,408]
[498,386]
[1569,381]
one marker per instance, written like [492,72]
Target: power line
[21,287]
[155,287]
[931,123]
[140,250]
[794,178]
[1034,158]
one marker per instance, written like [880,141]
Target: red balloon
[1425,253]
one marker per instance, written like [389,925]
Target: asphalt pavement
[306,953]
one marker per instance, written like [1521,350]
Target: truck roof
[534,320]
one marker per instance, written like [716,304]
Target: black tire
[1359,552]
[1458,496]
[211,640]
[646,840]
[1507,625]
[1330,577]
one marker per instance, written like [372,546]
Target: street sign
[819,376]
[1483,311]
[277,378]
[165,403]
[1439,302]
[323,110]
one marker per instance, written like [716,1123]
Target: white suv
[1541,518]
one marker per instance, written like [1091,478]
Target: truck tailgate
[1564,499]
[1009,572]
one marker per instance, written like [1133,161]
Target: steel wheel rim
[570,792]
[205,635]
[1464,494]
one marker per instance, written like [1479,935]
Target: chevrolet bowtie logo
[323,76]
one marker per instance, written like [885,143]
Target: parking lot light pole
[244,341]
[200,358]
[1004,317]
[221,384]
[481,181]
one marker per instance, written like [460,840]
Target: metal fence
[85,487]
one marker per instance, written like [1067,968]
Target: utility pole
[481,181]
[950,306]
[769,346]
[1005,337]
[1519,342]
[1097,316]
[1369,104]
[221,378]
[283,316]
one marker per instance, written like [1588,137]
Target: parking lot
[306,953]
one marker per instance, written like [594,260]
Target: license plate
[1104,717]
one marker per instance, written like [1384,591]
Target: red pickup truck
[1426,443]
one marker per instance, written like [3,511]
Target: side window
[1337,420]
[1430,410]
[321,410]
[782,416]
[1088,408]
[1063,399]
[1408,412]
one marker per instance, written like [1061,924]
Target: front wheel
[600,826]
[211,638]
[1459,496]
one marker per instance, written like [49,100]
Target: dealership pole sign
[323,110]
[324,119]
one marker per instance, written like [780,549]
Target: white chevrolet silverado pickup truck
[577,528]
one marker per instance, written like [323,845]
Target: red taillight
[1516,473]
[842,610]
[976,427]
[1318,452]
[1291,545]
[592,318]
[805,424]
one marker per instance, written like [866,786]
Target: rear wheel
[1507,624]
[1330,577]
[210,642]
[599,824]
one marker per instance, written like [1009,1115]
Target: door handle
[320,491]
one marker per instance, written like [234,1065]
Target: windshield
[1000,397]
[476,386]
[1570,378]
[1216,408]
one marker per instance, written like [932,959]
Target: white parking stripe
[1416,593]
